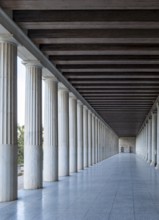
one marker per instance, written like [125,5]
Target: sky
[21,93]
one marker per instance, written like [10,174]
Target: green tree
[20,144]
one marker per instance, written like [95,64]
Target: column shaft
[157,166]
[8,121]
[80,135]
[93,139]
[146,141]
[89,138]
[154,138]
[50,171]
[149,139]
[73,133]
[33,127]
[85,135]
[96,140]
[63,132]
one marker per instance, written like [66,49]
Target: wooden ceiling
[108,50]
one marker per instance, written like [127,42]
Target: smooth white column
[157,165]
[72,133]
[85,136]
[8,121]
[89,138]
[93,139]
[50,172]
[63,131]
[33,127]
[79,135]
[154,138]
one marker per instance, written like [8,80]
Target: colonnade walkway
[121,187]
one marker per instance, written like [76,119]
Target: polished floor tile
[123,187]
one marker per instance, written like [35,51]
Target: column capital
[62,87]
[79,102]
[32,63]
[47,75]
[154,112]
[93,115]
[72,96]
[84,106]
[89,111]
[8,38]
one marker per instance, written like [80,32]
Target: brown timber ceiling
[108,50]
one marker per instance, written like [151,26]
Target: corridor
[121,187]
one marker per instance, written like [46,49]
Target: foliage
[20,144]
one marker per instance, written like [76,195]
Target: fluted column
[50,148]
[99,141]
[149,139]
[146,141]
[85,135]
[93,139]
[154,138]
[8,120]
[144,144]
[157,165]
[96,140]
[79,135]
[33,126]
[73,133]
[63,130]
[89,138]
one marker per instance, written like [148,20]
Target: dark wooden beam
[103,57]
[85,15]
[76,4]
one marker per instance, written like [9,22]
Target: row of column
[147,142]
[74,138]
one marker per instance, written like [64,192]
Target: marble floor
[123,187]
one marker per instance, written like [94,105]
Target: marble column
[157,165]
[8,119]
[146,141]
[99,141]
[63,130]
[79,135]
[154,138]
[89,138]
[144,145]
[33,126]
[149,139]
[85,136]
[72,133]
[96,140]
[93,139]
[50,148]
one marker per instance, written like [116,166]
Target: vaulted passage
[121,187]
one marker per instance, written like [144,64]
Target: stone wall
[127,144]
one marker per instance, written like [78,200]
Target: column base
[152,164]
[157,167]
[33,167]
[8,172]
